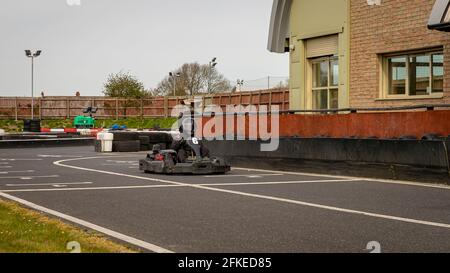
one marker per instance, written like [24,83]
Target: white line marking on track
[28,177]
[48,184]
[243,175]
[111,233]
[59,156]
[5,167]
[284,200]
[277,183]
[364,179]
[96,188]
[8,172]
[121,164]
[174,186]
[14,159]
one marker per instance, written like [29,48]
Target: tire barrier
[125,136]
[32,125]
[129,146]
[98,146]
[154,137]
[164,139]
[137,141]
[144,143]
[146,139]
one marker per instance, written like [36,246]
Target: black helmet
[156,148]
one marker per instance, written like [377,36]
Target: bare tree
[282,85]
[192,79]
[216,82]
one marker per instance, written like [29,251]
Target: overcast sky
[83,44]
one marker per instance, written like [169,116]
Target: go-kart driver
[156,153]
[186,125]
[183,149]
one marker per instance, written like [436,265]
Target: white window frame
[329,60]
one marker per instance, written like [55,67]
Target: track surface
[244,211]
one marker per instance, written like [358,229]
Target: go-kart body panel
[192,166]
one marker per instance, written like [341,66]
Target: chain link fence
[265,83]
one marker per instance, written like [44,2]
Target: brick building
[363,53]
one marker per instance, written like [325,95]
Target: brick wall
[396,25]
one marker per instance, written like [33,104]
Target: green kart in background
[86,122]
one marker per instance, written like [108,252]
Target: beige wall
[311,19]
[366,33]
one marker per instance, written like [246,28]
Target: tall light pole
[32,55]
[174,78]
[212,65]
[240,83]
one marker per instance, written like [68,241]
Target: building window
[414,75]
[325,87]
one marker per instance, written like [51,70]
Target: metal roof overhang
[438,16]
[279,25]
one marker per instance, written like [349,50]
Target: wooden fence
[108,108]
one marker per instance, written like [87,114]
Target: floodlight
[32,55]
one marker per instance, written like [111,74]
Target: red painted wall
[381,125]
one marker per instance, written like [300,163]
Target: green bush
[134,123]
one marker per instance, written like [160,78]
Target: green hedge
[134,123]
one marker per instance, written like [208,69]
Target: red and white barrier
[83,132]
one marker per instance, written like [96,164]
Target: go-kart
[186,157]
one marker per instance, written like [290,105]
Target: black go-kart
[185,157]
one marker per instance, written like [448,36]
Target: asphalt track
[244,211]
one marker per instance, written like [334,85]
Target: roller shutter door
[323,46]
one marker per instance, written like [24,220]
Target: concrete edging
[416,160]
